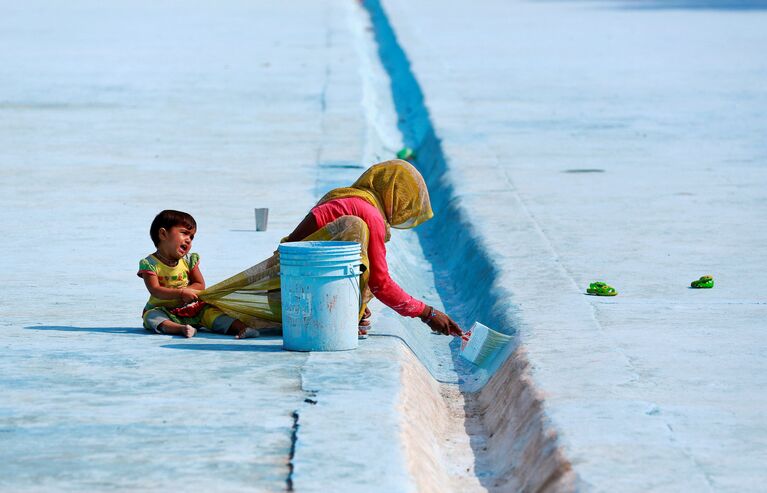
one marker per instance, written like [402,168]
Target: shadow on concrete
[104,330]
[684,4]
[261,348]
[133,330]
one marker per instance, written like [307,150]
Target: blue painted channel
[465,273]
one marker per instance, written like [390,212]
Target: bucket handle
[350,272]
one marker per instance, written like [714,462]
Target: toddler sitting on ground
[173,278]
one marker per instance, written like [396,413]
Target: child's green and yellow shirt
[169,277]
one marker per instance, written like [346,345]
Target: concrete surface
[563,142]
[616,141]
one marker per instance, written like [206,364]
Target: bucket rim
[319,244]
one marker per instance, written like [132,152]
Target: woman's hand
[188,295]
[440,322]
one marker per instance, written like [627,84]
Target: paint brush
[481,343]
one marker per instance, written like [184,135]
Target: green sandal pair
[705,282]
[601,289]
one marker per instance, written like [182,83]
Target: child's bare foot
[174,329]
[247,333]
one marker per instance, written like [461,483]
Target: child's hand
[188,331]
[188,295]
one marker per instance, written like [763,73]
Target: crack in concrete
[292,454]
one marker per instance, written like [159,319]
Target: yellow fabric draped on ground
[253,295]
[394,187]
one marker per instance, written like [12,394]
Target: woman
[388,194]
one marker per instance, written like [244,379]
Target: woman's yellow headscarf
[396,189]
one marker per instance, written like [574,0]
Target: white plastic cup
[262,216]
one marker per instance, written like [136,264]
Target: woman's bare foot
[365,320]
[364,325]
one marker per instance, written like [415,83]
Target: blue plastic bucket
[320,295]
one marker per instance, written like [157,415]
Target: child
[173,278]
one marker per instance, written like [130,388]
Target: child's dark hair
[167,219]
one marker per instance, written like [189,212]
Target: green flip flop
[601,289]
[705,282]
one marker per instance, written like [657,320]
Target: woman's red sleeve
[383,286]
